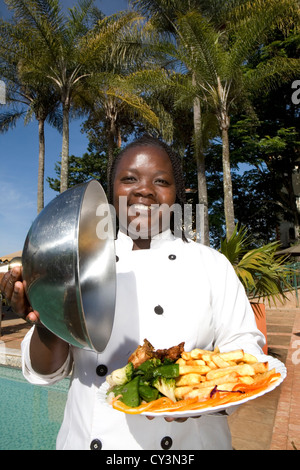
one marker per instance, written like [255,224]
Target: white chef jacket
[175,291]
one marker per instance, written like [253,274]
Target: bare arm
[47,352]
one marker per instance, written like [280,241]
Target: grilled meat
[147,351]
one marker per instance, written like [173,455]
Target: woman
[169,290]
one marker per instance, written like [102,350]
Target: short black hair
[148,140]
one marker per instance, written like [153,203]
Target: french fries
[201,372]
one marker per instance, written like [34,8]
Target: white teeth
[140,207]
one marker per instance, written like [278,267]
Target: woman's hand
[47,352]
[178,420]
[13,289]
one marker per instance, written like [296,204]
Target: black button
[166,443]
[117,258]
[96,444]
[101,370]
[172,257]
[158,310]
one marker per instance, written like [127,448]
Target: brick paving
[286,433]
[270,422]
[12,330]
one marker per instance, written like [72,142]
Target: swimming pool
[30,415]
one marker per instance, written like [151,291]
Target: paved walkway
[12,332]
[270,422]
[286,433]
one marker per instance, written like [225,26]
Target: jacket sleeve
[38,379]
[234,320]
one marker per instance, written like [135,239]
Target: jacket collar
[157,241]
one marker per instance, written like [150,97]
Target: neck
[141,244]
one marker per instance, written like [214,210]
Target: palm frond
[253,22]
[136,103]
[161,13]
[8,119]
[236,246]
[263,273]
[80,18]
[272,74]
[107,33]
[44,20]
[200,43]
[282,14]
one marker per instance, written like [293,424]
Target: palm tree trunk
[119,145]
[64,173]
[201,177]
[111,143]
[41,170]
[112,138]
[227,182]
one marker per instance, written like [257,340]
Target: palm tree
[26,99]
[68,50]
[217,65]
[122,91]
[164,14]
[215,55]
[113,99]
[52,58]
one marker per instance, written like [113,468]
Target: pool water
[30,415]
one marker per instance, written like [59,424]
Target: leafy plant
[263,273]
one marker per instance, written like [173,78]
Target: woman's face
[144,190]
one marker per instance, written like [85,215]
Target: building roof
[292,250]
[7,258]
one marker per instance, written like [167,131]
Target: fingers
[33,317]
[178,420]
[18,300]
[169,420]
[181,420]
[13,289]
[8,281]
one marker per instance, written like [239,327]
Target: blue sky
[19,162]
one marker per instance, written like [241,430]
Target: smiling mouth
[142,208]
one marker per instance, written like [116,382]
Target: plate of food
[179,384]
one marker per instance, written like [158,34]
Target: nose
[145,188]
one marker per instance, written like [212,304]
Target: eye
[162,181]
[128,179]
